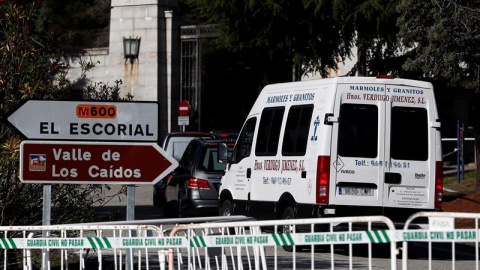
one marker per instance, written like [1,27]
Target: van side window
[409,139]
[269,131]
[358,131]
[245,140]
[296,130]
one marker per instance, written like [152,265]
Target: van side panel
[280,155]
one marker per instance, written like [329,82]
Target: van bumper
[397,215]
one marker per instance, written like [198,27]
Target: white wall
[136,18]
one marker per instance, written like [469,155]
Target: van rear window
[269,131]
[358,131]
[409,139]
[296,131]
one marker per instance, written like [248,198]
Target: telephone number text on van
[277,181]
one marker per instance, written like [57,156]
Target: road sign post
[183,108]
[103,160]
[183,112]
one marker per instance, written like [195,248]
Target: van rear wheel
[287,214]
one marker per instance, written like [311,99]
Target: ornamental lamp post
[131,48]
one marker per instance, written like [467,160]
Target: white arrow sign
[87,120]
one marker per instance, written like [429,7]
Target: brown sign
[93,162]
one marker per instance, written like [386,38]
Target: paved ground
[143,195]
[117,207]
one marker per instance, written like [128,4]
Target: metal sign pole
[462,149]
[130,216]
[458,151]
[131,202]
[46,219]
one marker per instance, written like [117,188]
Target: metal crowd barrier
[261,244]
[57,246]
[450,236]
[335,243]
[118,244]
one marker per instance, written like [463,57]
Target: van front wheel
[287,228]
[226,209]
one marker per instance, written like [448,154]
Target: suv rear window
[175,144]
[176,147]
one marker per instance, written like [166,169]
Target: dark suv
[193,187]
[174,144]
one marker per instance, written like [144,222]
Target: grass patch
[465,186]
[449,180]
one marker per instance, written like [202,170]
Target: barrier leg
[162,258]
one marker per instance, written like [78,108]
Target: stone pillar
[135,18]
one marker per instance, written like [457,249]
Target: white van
[348,146]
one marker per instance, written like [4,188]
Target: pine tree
[442,37]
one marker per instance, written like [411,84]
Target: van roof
[341,80]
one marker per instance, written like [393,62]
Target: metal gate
[190,74]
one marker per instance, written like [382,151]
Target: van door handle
[249,173]
[393,178]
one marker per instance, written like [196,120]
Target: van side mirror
[222,153]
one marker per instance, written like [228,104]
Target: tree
[303,32]
[442,36]
[85,22]
[33,67]
[315,35]
[373,31]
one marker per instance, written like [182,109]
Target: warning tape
[281,239]
[99,243]
[7,243]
